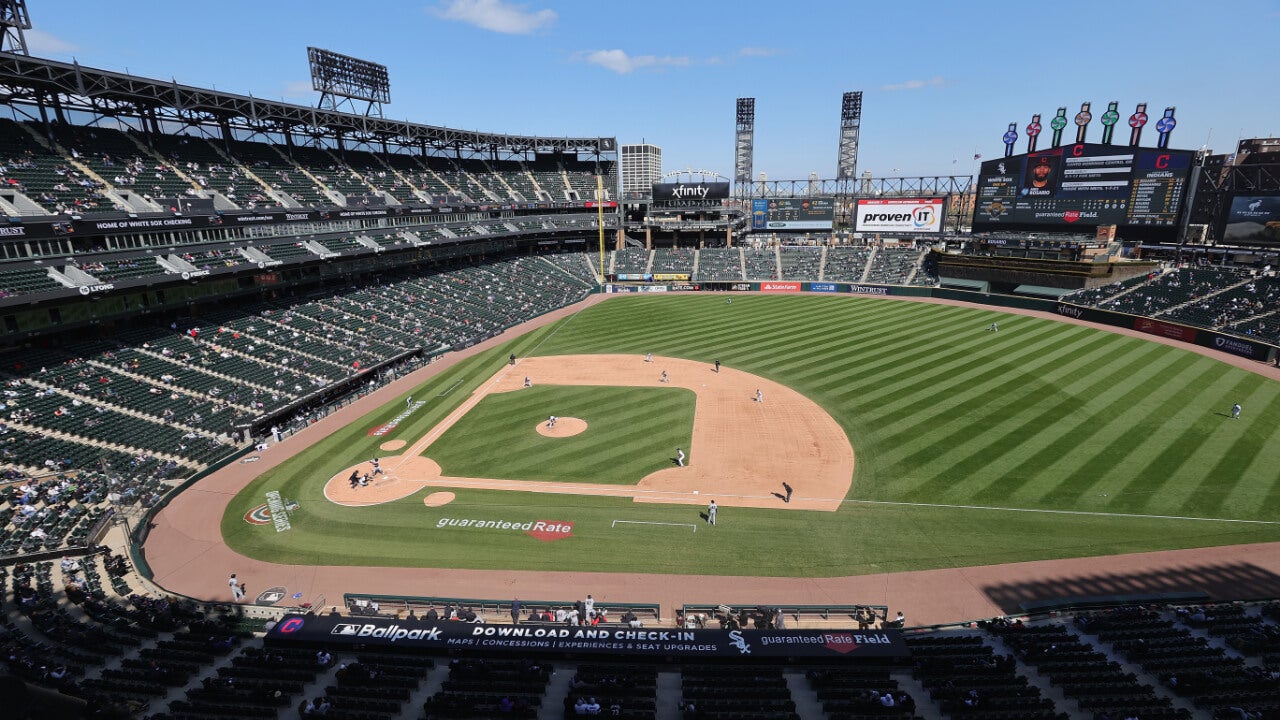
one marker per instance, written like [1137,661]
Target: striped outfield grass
[1043,440]
[630,433]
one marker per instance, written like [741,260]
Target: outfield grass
[943,416]
[630,433]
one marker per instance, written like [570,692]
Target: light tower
[744,143]
[13,20]
[850,124]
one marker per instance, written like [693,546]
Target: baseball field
[911,435]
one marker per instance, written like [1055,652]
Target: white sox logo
[736,640]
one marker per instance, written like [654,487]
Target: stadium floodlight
[850,123]
[13,20]
[336,76]
[744,142]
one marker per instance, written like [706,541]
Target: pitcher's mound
[392,445]
[436,499]
[565,427]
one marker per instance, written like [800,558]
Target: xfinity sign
[683,192]
[900,215]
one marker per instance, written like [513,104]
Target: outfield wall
[1222,342]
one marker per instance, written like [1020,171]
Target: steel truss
[28,83]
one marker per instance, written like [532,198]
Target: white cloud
[42,43]
[915,84]
[496,15]
[622,63]
[298,88]
[758,52]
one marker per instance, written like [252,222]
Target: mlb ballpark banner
[900,215]
[445,635]
[690,192]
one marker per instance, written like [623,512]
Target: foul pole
[600,220]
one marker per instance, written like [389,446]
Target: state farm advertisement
[900,215]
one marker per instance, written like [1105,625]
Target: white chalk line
[647,522]
[450,388]
[1065,512]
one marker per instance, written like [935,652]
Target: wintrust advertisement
[900,215]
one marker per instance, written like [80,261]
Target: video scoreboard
[817,213]
[1084,184]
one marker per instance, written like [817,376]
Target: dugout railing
[489,608]
[795,613]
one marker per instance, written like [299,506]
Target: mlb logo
[345,629]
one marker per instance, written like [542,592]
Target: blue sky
[942,80]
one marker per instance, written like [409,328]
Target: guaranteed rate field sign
[638,642]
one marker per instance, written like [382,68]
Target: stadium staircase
[173,167]
[697,254]
[94,362]
[648,265]
[802,694]
[1202,298]
[668,692]
[915,268]
[742,265]
[81,440]
[1034,677]
[822,263]
[204,370]
[777,263]
[871,261]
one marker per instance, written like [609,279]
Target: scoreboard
[1084,184]
[815,213]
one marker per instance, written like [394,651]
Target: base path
[187,555]
[743,448]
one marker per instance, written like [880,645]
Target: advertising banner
[690,192]
[1235,346]
[779,287]
[1164,329]
[759,214]
[418,634]
[900,215]
[1253,219]
[823,287]
[671,277]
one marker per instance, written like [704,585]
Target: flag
[977,156]
[297,596]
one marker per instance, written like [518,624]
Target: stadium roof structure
[37,81]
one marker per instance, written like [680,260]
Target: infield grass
[630,433]
[965,440]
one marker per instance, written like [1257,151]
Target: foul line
[647,522]
[450,388]
[1065,512]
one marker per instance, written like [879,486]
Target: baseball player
[377,468]
[527,381]
[994,328]
[759,396]
[679,457]
[1235,411]
[711,513]
[664,377]
[717,366]
[648,357]
[551,422]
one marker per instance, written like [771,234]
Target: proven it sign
[904,215]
